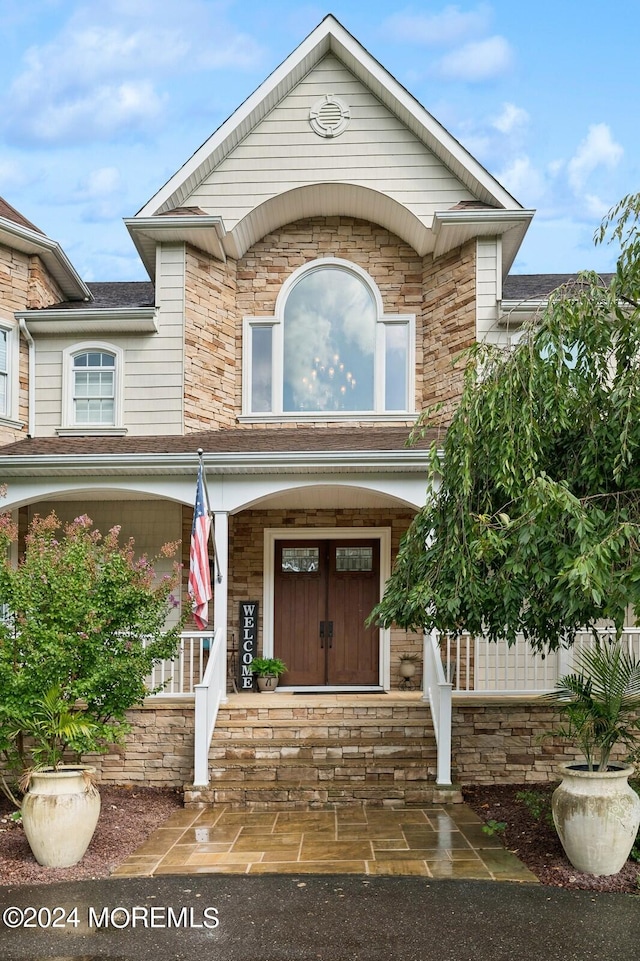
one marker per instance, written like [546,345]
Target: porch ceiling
[327,498]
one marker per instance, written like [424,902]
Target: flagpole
[210,514]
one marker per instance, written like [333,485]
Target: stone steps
[286,752]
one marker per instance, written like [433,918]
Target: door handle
[330,632]
[322,628]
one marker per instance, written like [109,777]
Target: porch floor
[438,841]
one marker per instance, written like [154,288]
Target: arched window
[94,382]
[92,389]
[330,350]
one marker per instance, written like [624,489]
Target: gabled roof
[18,233]
[7,212]
[330,37]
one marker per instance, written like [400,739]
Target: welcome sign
[248,642]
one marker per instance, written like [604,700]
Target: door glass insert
[301,560]
[354,558]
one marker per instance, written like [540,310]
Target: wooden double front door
[323,593]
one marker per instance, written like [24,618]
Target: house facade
[314,269]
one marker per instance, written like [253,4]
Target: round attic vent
[329,116]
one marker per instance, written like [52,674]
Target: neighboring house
[314,268]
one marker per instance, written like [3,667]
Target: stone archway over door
[324,590]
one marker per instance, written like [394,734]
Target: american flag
[199,573]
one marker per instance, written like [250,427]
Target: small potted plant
[267,671]
[595,810]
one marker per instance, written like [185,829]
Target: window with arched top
[92,387]
[94,383]
[330,350]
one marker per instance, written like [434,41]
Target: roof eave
[221,463]
[133,320]
[206,233]
[52,255]
[452,228]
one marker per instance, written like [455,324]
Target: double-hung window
[330,350]
[92,389]
[9,365]
[4,372]
[94,376]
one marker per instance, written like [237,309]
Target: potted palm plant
[58,833]
[595,811]
[267,671]
[84,622]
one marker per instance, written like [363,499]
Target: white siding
[153,363]
[488,282]
[375,151]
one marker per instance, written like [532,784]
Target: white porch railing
[437,691]
[475,665]
[210,694]
[465,665]
[181,674]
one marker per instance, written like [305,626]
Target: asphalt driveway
[313,918]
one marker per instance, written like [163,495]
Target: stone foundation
[492,743]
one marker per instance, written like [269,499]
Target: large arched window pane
[329,343]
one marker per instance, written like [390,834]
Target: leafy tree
[533,522]
[84,622]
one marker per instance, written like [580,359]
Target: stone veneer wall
[493,742]
[449,313]
[24,283]
[440,293]
[500,741]
[212,368]
[159,749]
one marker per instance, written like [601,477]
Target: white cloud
[101,182]
[524,181]
[113,69]
[510,118]
[450,26]
[596,207]
[97,113]
[598,149]
[477,61]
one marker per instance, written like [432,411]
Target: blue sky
[100,103]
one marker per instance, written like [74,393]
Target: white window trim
[276,324]
[273,534]
[9,417]
[69,425]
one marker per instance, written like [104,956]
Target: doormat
[343,690]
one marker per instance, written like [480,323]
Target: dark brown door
[323,593]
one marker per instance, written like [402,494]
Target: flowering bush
[84,616]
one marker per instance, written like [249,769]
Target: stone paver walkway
[444,841]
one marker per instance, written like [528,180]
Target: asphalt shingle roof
[10,213]
[537,286]
[114,295]
[231,440]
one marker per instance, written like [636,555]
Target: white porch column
[221,581]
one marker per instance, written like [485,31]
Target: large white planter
[596,815]
[59,814]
